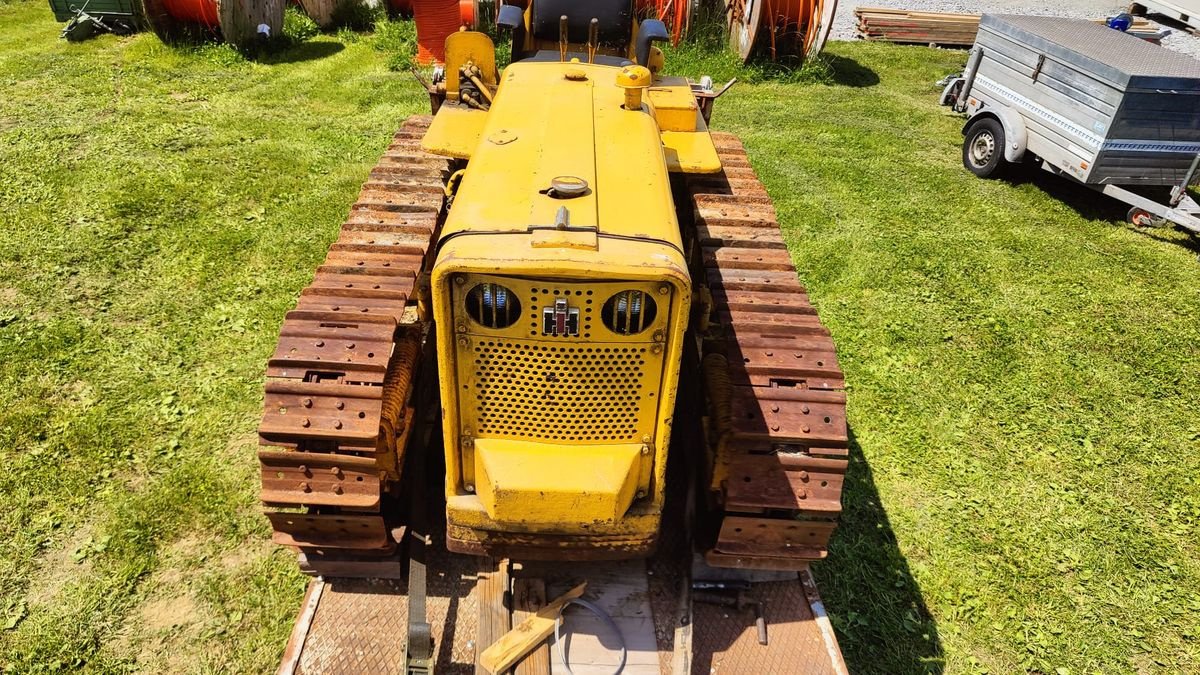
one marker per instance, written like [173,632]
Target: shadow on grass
[300,52]
[1090,204]
[827,69]
[850,73]
[882,623]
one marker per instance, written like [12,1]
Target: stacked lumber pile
[948,30]
[1147,30]
[899,25]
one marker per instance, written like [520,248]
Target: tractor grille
[598,393]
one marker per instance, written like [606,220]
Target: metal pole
[1180,190]
[969,78]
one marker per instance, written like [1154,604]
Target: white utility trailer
[1183,11]
[1088,102]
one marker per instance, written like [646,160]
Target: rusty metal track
[777,430]
[336,409]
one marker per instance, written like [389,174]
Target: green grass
[1024,494]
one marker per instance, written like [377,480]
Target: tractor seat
[616,20]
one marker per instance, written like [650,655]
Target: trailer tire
[983,148]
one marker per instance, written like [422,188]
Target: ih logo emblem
[560,320]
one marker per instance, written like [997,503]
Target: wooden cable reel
[236,21]
[779,27]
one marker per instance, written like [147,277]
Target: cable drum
[238,22]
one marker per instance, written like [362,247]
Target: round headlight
[493,306]
[629,312]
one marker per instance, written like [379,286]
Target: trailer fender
[1016,138]
[953,86]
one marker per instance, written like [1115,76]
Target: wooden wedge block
[529,596]
[502,654]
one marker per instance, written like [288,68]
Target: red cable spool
[436,20]
[798,27]
[673,13]
[203,12]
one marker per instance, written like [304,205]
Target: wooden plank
[923,27]
[529,595]
[516,643]
[295,645]
[495,619]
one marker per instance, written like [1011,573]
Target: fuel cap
[566,187]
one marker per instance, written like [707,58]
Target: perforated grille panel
[534,381]
[604,393]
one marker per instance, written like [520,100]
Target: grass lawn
[1025,490]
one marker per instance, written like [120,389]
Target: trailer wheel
[983,148]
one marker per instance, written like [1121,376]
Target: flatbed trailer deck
[358,625]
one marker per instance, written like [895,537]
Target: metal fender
[953,86]
[1016,138]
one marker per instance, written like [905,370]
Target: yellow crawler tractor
[567,303]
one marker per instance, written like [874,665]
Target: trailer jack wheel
[1143,218]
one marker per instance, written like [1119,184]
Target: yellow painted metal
[467,518]
[687,146]
[455,131]
[526,412]
[581,239]
[634,80]
[605,388]
[464,47]
[691,151]
[674,104]
[540,484]
[657,61]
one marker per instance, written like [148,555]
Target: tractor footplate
[778,431]
[336,411]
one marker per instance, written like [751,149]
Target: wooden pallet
[945,29]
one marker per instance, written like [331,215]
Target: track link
[337,409]
[777,429]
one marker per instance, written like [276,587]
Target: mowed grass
[1022,365]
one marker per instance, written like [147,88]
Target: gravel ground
[843,24]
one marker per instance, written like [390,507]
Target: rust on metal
[357,563]
[546,546]
[789,481]
[319,479]
[726,640]
[361,623]
[329,530]
[778,429]
[774,537]
[781,361]
[336,412]
[755,301]
[785,414]
[744,280]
